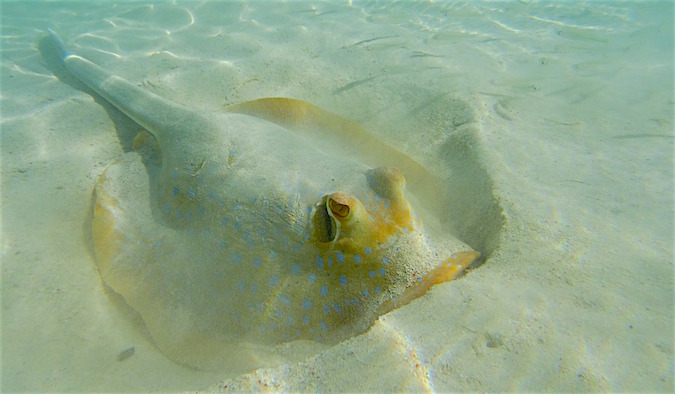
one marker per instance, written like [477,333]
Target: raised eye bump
[339,210]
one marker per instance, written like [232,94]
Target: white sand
[563,113]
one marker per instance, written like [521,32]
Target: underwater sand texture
[562,112]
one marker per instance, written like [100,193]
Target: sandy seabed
[554,123]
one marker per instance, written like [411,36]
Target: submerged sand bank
[557,118]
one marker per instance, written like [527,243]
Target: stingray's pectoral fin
[123,229]
[446,271]
[143,260]
[106,231]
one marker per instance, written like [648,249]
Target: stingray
[270,222]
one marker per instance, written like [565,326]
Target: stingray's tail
[63,52]
[154,113]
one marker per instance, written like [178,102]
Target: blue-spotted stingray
[269,222]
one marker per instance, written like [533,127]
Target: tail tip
[58,44]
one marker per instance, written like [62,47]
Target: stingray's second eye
[338,209]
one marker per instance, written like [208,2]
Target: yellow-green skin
[245,235]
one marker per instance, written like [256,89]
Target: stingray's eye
[334,216]
[338,209]
[341,219]
[387,182]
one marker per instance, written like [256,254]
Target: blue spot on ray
[323,291]
[343,280]
[284,299]
[297,246]
[340,257]
[367,250]
[357,258]
[319,263]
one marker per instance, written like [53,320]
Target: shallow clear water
[566,107]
